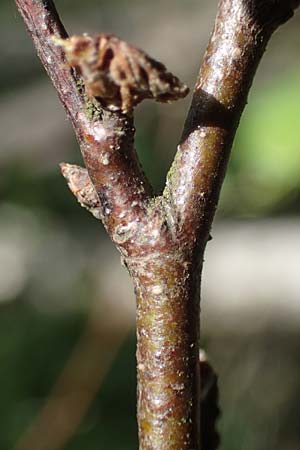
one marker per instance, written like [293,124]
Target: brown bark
[162,239]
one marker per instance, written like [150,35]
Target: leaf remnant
[118,74]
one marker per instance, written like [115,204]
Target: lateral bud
[83,189]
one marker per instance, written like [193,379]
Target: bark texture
[162,239]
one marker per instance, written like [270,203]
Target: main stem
[167,352]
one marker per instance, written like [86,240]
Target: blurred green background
[67,362]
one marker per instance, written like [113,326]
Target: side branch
[105,138]
[43,24]
[241,32]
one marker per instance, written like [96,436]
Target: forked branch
[162,239]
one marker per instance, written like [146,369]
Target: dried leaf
[119,75]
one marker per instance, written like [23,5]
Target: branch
[105,138]
[241,32]
[161,239]
[43,23]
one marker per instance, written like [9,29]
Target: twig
[241,32]
[105,138]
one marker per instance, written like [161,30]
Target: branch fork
[99,80]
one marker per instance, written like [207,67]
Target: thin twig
[241,33]
[105,138]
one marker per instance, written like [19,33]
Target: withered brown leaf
[119,75]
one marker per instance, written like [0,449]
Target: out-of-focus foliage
[264,172]
[34,348]
[54,259]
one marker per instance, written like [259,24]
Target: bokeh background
[67,343]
